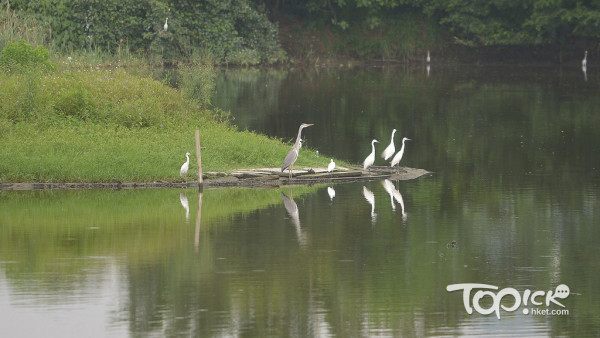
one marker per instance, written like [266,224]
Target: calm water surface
[516,185]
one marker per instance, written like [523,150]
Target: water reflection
[370,197]
[185,204]
[292,209]
[389,186]
[331,193]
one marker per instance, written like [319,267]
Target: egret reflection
[292,209]
[400,200]
[184,203]
[584,70]
[331,193]
[389,186]
[370,197]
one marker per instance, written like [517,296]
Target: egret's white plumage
[185,166]
[391,149]
[584,61]
[166,26]
[399,154]
[371,158]
[331,166]
[428,57]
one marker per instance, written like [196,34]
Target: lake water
[516,161]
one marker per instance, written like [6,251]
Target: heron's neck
[298,138]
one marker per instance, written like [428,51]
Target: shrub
[22,56]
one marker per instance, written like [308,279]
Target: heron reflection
[331,193]
[292,209]
[370,197]
[389,186]
[400,200]
[184,203]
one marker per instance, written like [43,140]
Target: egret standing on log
[185,166]
[398,156]
[371,158]
[292,156]
[391,149]
[331,166]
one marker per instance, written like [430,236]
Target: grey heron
[391,149]
[331,166]
[371,158]
[292,156]
[398,155]
[184,167]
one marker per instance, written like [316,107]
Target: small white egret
[166,26]
[584,61]
[331,166]
[185,166]
[428,57]
[331,192]
[391,149]
[317,153]
[292,156]
[371,158]
[398,155]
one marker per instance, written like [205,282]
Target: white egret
[331,166]
[166,26]
[185,166]
[398,155]
[331,192]
[391,149]
[371,158]
[292,156]
[428,57]
[584,61]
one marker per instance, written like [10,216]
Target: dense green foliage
[234,31]
[22,56]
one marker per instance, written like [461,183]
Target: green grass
[102,125]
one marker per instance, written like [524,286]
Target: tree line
[246,31]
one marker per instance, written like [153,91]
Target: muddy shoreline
[258,178]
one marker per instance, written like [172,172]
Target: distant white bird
[398,155]
[185,166]
[391,149]
[371,158]
[331,166]
[428,57]
[584,61]
[70,59]
[166,26]
[331,193]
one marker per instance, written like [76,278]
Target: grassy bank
[99,125]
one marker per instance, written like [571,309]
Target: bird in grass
[399,155]
[184,167]
[331,166]
[292,156]
[166,26]
[391,149]
[371,158]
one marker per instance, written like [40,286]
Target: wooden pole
[199,158]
